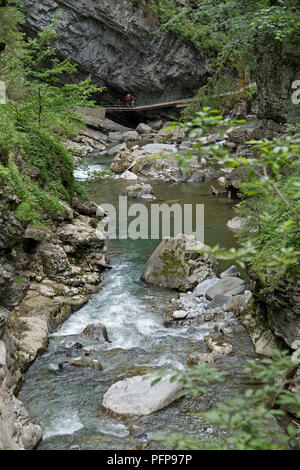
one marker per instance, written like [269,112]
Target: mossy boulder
[174,265]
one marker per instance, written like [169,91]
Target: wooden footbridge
[145,106]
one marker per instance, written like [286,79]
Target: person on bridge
[128,99]
[119,103]
[132,101]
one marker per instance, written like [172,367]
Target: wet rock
[227,286]
[231,271]
[236,224]
[97,332]
[81,362]
[137,396]
[218,346]
[175,264]
[170,136]
[197,358]
[128,176]
[140,190]
[203,287]
[179,314]
[144,129]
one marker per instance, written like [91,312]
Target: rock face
[113,41]
[137,396]
[174,266]
[279,309]
[17,432]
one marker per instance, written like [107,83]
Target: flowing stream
[67,402]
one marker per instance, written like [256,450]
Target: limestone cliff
[117,43]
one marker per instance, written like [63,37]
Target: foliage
[247,420]
[40,110]
[270,240]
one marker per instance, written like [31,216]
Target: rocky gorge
[84,319]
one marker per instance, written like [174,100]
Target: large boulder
[97,332]
[227,286]
[174,265]
[137,395]
[144,129]
[170,136]
[122,161]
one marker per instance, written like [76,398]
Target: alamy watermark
[296,94]
[2,92]
[154,222]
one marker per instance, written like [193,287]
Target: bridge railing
[141,103]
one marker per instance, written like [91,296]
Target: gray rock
[116,149]
[170,136]
[236,223]
[219,300]
[139,190]
[175,265]
[137,396]
[4,315]
[128,175]
[238,135]
[144,129]
[227,286]
[179,314]
[81,363]
[203,287]
[131,136]
[131,56]
[96,331]
[160,148]
[231,271]
[115,137]
[156,125]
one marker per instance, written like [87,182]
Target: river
[67,402]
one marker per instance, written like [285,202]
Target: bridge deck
[175,104]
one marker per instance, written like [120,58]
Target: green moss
[19,280]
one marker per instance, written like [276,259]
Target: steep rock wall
[117,44]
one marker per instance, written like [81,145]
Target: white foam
[66,423]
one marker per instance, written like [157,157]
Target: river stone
[128,176]
[237,135]
[131,136]
[203,287]
[170,136]
[96,331]
[82,363]
[176,265]
[144,129]
[227,286]
[139,190]
[115,137]
[122,161]
[116,149]
[159,148]
[232,271]
[218,301]
[137,396]
[179,314]
[236,223]
[156,125]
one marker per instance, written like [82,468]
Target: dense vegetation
[229,32]
[38,114]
